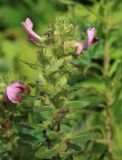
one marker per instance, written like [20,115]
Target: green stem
[108,133]
[106,58]
[108,119]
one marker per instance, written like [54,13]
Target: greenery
[73,111]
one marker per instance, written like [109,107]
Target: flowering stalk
[50,131]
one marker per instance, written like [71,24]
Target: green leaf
[43,152]
[77,104]
[66,155]
[61,81]
[66,1]
[54,135]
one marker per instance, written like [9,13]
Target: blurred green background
[15,47]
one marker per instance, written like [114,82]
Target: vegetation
[73,110]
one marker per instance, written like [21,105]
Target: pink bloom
[91,34]
[14,92]
[28,25]
[79,47]
[91,39]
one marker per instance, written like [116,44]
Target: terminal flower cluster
[14,91]
[80,46]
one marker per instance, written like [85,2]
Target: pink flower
[91,34]
[14,92]
[28,25]
[91,39]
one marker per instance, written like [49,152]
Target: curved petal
[32,36]
[79,48]
[12,95]
[16,84]
[28,25]
[91,33]
[14,91]
[20,88]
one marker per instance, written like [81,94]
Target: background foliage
[81,118]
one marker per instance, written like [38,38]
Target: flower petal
[12,95]
[91,33]
[14,91]
[28,25]
[79,48]
[32,36]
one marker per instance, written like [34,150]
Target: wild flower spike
[86,44]
[28,25]
[14,92]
